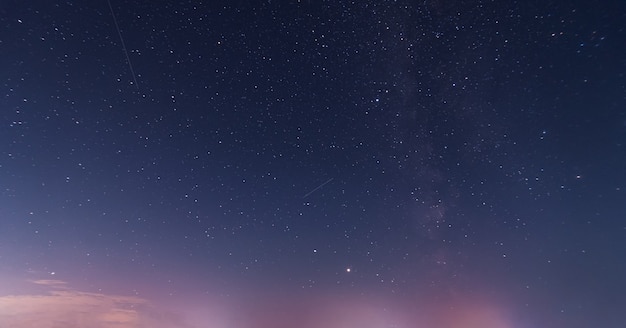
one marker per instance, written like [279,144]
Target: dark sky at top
[377,164]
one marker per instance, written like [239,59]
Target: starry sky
[283,164]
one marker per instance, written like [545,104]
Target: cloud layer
[62,307]
[57,305]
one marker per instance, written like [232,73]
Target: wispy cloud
[57,284]
[61,306]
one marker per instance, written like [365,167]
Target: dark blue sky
[426,163]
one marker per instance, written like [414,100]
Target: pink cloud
[61,306]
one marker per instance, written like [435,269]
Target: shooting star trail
[318,187]
[117,27]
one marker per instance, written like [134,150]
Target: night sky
[304,164]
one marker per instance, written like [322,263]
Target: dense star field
[304,164]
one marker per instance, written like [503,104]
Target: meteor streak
[318,187]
